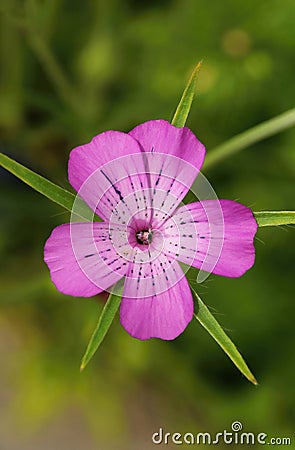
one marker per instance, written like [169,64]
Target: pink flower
[135,183]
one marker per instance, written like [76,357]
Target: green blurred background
[69,70]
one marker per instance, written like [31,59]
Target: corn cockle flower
[135,182]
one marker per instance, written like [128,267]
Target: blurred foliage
[70,70]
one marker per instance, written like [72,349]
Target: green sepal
[208,321]
[274,218]
[184,106]
[50,190]
[105,320]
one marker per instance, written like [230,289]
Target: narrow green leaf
[208,321]
[274,218]
[184,106]
[55,193]
[104,323]
[250,137]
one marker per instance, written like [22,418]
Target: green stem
[52,68]
[249,137]
[46,58]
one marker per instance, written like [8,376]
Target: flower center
[144,237]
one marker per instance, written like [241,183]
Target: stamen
[144,237]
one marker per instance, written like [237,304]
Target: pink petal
[151,273]
[175,157]
[159,136]
[215,236]
[82,259]
[106,170]
[164,316]
[114,169]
